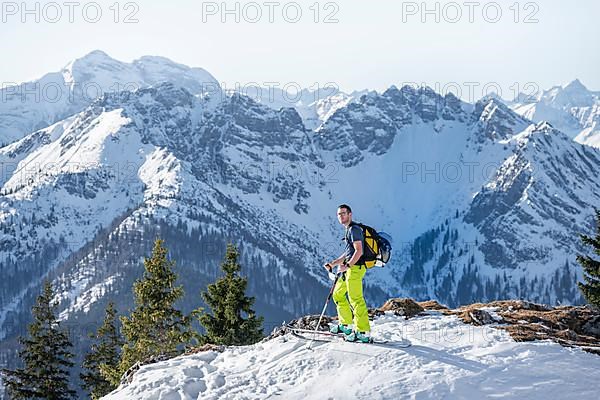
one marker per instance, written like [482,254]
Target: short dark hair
[346,206]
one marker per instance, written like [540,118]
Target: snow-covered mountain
[447,359]
[30,106]
[482,202]
[454,174]
[156,153]
[314,106]
[572,108]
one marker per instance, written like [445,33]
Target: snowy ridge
[314,106]
[447,359]
[30,106]
[572,108]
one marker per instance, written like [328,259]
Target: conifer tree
[155,327]
[101,364]
[45,355]
[233,322]
[591,267]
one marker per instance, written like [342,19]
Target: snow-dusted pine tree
[155,327]
[45,354]
[102,361]
[233,322]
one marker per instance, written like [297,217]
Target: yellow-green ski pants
[350,283]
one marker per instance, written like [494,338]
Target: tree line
[155,327]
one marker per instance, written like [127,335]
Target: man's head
[344,214]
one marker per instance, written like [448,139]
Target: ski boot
[340,328]
[362,337]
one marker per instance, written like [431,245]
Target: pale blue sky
[369,47]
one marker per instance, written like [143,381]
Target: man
[356,327]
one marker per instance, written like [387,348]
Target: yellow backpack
[375,246]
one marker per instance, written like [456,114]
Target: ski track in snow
[447,360]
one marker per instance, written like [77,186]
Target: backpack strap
[347,235]
[361,260]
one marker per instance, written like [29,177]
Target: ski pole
[337,276]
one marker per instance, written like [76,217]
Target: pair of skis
[325,336]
